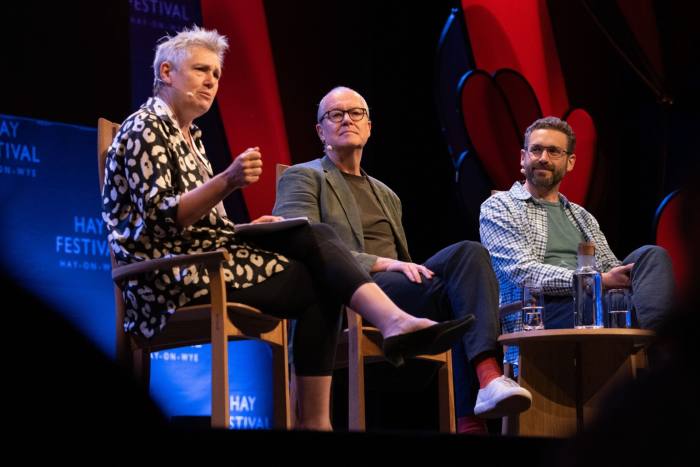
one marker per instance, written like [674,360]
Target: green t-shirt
[563,237]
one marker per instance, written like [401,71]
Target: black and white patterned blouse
[149,166]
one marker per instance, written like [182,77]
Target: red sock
[487,369]
[471,424]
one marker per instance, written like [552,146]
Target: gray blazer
[317,190]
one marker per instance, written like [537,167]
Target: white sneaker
[502,397]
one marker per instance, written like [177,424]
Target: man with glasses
[366,214]
[532,231]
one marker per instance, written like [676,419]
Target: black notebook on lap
[269,227]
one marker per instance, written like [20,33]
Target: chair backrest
[106,131]
[279,170]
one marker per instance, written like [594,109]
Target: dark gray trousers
[464,283]
[652,291]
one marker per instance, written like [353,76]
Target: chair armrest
[210,259]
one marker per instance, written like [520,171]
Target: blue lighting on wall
[53,243]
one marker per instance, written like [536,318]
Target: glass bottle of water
[587,288]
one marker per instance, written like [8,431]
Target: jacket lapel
[345,198]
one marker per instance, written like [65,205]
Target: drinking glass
[619,305]
[533,306]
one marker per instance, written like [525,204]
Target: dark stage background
[69,62]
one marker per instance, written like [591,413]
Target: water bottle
[587,289]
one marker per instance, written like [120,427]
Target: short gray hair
[552,123]
[174,49]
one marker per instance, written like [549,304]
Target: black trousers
[321,276]
[464,283]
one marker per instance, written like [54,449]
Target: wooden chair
[360,344]
[509,423]
[217,322]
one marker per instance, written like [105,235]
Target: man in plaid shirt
[532,232]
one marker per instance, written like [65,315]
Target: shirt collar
[518,191]
[163,110]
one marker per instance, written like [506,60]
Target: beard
[548,179]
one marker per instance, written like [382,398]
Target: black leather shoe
[432,340]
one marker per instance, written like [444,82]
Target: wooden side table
[569,371]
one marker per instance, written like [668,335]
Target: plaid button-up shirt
[513,227]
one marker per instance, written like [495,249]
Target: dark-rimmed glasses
[554,152]
[336,115]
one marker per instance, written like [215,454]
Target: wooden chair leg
[220,409]
[510,424]
[141,367]
[356,398]
[446,396]
[356,378]
[280,379]
[293,399]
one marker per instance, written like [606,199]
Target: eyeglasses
[554,152]
[336,115]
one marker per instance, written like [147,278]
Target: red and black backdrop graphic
[632,66]
[620,72]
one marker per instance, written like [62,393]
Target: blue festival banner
[53,242]
[52,238]
[149,21]
[181,383]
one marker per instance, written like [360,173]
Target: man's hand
[245,169]
[266,218]
[618,277]
[412,270]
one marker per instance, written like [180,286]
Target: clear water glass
[619,306]
[533,307]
